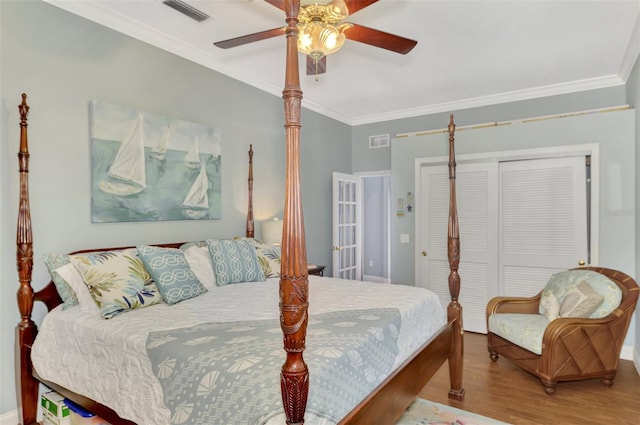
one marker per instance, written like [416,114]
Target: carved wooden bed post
[294,283]
[454,310]
[250,231]
[27,386]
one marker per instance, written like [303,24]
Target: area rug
[423,412]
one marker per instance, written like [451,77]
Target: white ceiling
[469,53]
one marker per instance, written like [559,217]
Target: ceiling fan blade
[381,39]
[320,69]
[355,5]
[250,38]
[277,3]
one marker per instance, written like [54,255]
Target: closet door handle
[581,263]
[424,253]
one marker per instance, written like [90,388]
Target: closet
[521,219]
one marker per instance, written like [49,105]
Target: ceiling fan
[322,32]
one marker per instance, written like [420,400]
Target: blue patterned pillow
[234,261]
[55,262]
[171,272]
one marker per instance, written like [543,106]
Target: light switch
[404,238]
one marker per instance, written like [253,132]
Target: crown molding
[506,97]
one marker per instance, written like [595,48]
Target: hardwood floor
[505,392]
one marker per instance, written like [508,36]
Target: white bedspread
[106,360]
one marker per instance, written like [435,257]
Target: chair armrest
[572,333]
[520,305]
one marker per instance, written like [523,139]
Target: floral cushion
[197,255]
[234,261]
[524,330]
[561,283]
[171,272]
[117,280]
[269,258]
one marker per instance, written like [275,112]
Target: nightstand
[315,269]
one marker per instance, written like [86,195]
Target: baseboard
[9,418]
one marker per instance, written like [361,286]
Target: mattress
[106,360]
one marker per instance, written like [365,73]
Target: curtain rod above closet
[521,121]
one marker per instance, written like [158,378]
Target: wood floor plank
[505,392]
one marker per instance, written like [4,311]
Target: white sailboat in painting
[127,173]
[196,203]
[192,159]
[159,151]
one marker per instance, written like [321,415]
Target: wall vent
[379,141]
[186,9]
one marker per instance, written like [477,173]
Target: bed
[412,366]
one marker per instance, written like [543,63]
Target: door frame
[592,149]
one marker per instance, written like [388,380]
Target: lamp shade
[272,232]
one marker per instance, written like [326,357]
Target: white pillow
[200,262]
[73,277]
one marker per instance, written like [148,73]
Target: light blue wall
[63,62]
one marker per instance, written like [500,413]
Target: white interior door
[476,186]
[543,221]
[346,226]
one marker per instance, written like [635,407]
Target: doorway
[361,226]
[376,258]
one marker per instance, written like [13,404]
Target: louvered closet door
[477,199]
[543,221]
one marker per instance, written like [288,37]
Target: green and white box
[54,411]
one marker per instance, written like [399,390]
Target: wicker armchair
[571,348]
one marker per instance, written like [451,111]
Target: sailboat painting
[159,151]
[196,203]
[126,175]
[192,159]
[147,167]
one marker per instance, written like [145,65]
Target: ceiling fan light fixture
[320,30]
[317,38]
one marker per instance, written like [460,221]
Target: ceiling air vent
[186,9]
[379,141]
